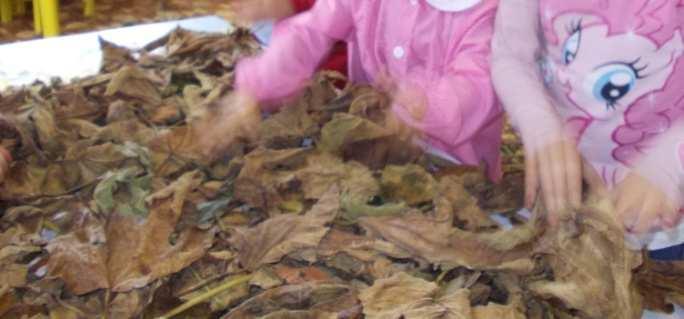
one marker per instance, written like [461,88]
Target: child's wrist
[660,176]
[282,9]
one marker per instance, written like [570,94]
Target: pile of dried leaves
[110,212]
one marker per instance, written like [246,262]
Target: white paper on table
[79,55]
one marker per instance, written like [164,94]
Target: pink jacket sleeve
[299,44]
[461,101]
[663,163]
[516,48]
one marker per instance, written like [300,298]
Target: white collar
[453,5]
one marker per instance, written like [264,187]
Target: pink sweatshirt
[445,53]
[611,72]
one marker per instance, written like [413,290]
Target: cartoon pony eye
[572,44]
[611,82]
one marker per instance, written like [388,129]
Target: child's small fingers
[624,211]
[670,217]
[574,175]
[546,182]
[648,216]
[559,178]
[531,180]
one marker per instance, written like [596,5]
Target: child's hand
[413,100]
[409,97]
[643,207]
[238,117]
[556,170]
[5,161]
[250,11]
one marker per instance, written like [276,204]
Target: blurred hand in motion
[250,11]
[643,207]
[409,98]
[237,117]
[412,100]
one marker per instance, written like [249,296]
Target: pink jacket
[446,54]
[611,72]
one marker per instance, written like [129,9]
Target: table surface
[73,56]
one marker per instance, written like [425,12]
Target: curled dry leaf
[132,82]
[409,183]
[404,296]
[288,128]
[583,250]
[264,174]
[661,284]
[114,57]
[324,170]
[345,129]
[467,212]
[435,239]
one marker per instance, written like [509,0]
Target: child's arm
[651,196]
[459,102]
[283,69]
[250,11]
[552,162]
[298,47]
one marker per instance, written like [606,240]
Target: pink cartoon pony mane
[657,20]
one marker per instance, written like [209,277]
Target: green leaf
[353,209]
[213,209]
[123,192]
[134,150]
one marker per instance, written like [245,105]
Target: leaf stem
[207,295]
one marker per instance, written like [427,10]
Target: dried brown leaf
[467,212]
[409,183]
[324,170]
[344,130]
[114,57]
[127,254]
[132,82]
[661,283]
[265,174]
[435,239]
[405,296]
[279,236]
[580,253]
[288,128]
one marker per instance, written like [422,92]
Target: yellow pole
[20,7]
[88,8]
[49,11]
[6,11]
[37,21]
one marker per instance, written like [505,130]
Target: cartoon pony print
[617,66]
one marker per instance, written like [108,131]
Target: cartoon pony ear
[453,5]
[675,45]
